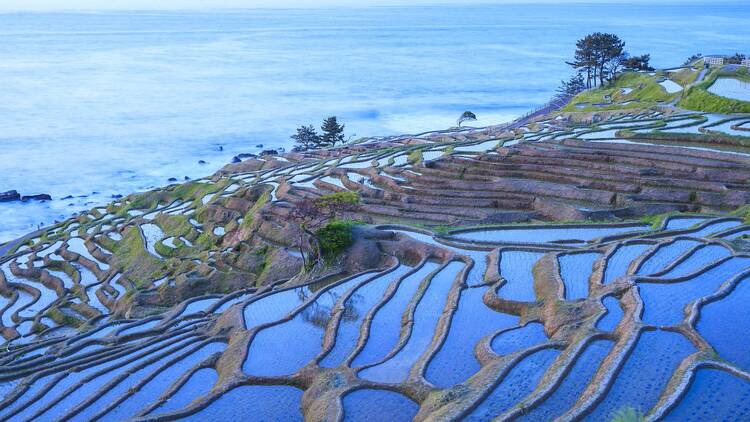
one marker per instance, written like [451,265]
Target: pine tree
[598,56]
[466,116]
[570,88]
[333,132]
[306,138]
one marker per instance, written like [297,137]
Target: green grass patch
[62,318]
[685,77]
[414,157]
[698,98]
[335,237]
[253,211]
[628,414]
[646,92]
[133,260]
[713,138]
[743,212]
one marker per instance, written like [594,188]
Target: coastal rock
[11,195]
[251,164]
[172,179]
[39,197]
[201,162]
[269,152]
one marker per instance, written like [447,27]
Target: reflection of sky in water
[731,88]
[114,103]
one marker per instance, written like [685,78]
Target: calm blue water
[119,102]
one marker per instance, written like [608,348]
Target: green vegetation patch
[646,92]
[685,76]
[414,157]
[698,98]
[335,237]
[628,415]
[253,211]
[133,260]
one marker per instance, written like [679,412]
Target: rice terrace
[588,261]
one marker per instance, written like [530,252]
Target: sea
[95,104]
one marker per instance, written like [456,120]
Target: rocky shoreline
[13,195]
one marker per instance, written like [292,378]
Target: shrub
[628,415]
[334,237]
[414,157]
[338,199]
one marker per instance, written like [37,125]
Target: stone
[8,196]
[38,197]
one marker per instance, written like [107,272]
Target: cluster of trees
[638,63]
[308,138]
[736,59]
[600,56]
[570,88]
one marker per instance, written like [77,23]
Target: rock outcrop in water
[11,195]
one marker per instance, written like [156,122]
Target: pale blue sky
[211,4]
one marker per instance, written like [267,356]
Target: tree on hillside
[333,132]
[314,216]
[638,63]
[693,58]
[736,59]
[609,49]
[570,88]
[598,56]
[615,65]
[306,138]
[584,60]
[466,116]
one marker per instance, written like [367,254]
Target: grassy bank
[646,92]
[697,97]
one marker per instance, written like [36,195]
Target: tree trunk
[314,246]
[301,244]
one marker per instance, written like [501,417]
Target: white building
[746,63]
[714,60]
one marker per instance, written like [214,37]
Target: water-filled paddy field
[143,309]
[731,88]
[455,335]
